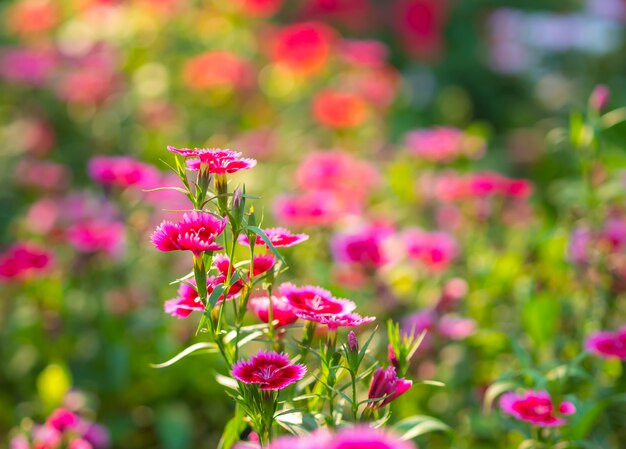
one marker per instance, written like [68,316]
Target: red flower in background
[419,25]
[608,344]
[217,69]
[303,47]
[259,8]
[339,109]
[32,16]
[23,261]
[122,171]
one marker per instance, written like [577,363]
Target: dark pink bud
[391,356]
[353,343]
[387,386]
[599,98]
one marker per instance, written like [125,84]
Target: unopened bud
[353,343]
[237,198]
[391,356]
[599,99]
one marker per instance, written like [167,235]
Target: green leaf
[495,390]
[540,316]
[233,429]
[258,231]
[206,346]
[215,295]
[415,426]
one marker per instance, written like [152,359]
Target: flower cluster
[62,429]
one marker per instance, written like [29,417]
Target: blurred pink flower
[317,208]
[87,85]
[24,261]
[608,344]
[216,160]
[269,370]
[361,246]
[419,26]
[217,69]
[364,437]
[358,437]
[435,250]
[62,419]
[186,302]
[312,300]
[95,235]
[44,175]
[46,437]
[443,144]
[453,291]
[79,443]
[386,386]
[578,248]
[535,407]
[303,47]
[196,232]
[365,53]
[32,67]
[280,237]
[377,86]
[282,310]
[122,171]
[599,99]
[339,109]
[456,328]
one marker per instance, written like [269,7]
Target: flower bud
[353,343]
[599,99]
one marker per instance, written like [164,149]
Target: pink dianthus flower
[196,232]
[387,386]
[216,160]
[536,407]
[269,370]
[281,309]
[122,171]
[608,344]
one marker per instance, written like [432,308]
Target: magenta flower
[186,302]
[362,246]
[608,344]
[282,310]
[269,370]
[27,66]
[280,237]
[262,264]
[310,301]
[62,419]
[24,261]
[364,437]
[122,171]
[358,437]
[535,407]
[92,236]
[387,386]
[435,250]
[216,160]
[456,328]
[197,232]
